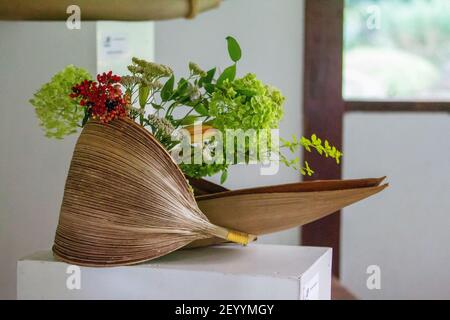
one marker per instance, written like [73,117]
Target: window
[396,50]
[385,56]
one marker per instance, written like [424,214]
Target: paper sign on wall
[113,46]
[118,42]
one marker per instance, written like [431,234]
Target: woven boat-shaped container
[126,201]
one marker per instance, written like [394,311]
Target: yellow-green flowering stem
[325,150]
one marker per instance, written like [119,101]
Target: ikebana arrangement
[127,197]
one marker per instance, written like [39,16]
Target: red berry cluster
[103,98]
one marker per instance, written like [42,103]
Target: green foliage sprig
[60,115]
[323,149]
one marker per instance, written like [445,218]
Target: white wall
[33,168]
[405,230]
[270,33]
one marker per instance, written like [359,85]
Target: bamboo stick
[125,10]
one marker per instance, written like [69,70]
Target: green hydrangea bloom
[246,103]
[60,115]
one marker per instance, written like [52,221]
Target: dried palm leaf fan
[126,10]
[270,209]
[126,201]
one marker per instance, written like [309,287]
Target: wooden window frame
[324,107]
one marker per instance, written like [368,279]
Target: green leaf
[223,176]
[187,120]
[201,110]
[144,91]
[210,88]
[182,89]
[234,50]
[229,73]
[209,75]
[167,89]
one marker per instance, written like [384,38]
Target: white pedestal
[220,272]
